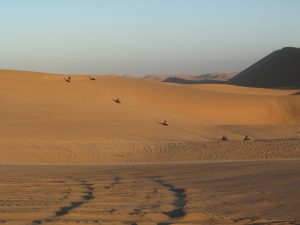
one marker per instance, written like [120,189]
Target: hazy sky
[144,36]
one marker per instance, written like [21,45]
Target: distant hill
[280,69]
[156,77]
[179,80]
[212,78]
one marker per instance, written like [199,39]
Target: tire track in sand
[179,203]
[63,211]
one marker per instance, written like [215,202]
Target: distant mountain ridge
[215,78]
[179,80]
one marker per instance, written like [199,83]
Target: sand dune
[244,90]
[280,69]
[47,120]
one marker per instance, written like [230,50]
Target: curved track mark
[87,196]
[179,202]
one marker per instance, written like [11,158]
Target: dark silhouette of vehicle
[246,138]
[117,100]
[68,79]
[224,138]
[165,123]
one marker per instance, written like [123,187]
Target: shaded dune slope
[297,93]
[280,69]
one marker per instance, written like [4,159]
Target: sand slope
[281,68]
[47,120]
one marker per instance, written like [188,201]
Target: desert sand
[46,120]
[71,154]
[241,193]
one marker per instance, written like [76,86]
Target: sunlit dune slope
[245,90]
[48,120]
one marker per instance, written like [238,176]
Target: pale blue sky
[144,36]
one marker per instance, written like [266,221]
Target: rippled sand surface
[265,192]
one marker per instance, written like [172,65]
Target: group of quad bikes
[68,79]
[225,138]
